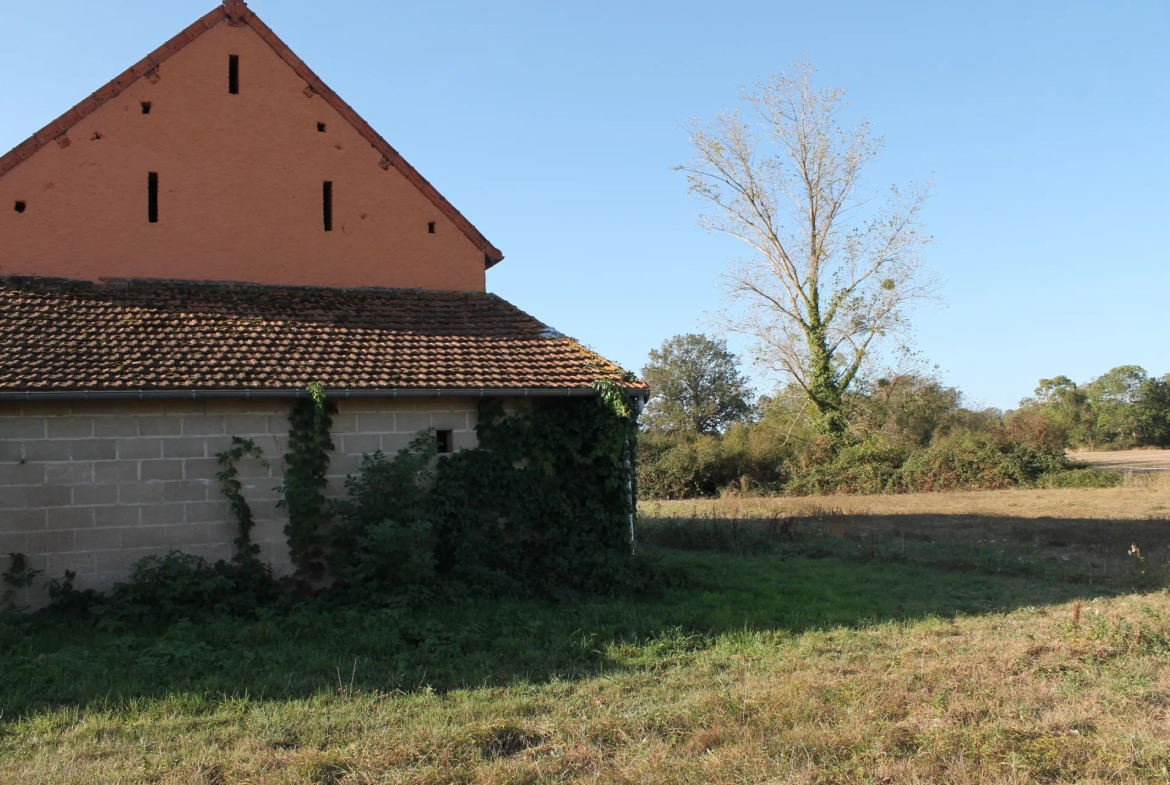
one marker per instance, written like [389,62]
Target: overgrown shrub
[179,585]
[382,540]
[1081,478]
[869,467]
[745,459]
[970,461]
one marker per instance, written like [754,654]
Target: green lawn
[762,667]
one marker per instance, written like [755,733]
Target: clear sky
[555,127]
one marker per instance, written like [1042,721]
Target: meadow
[1007,636]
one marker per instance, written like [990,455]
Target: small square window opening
[146,107]
[320,128]
[445,441]
[20,207]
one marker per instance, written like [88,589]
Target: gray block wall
[94,486]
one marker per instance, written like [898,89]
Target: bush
[180,585]
[746,458]
[1081,478]
[976,461]
[869,467]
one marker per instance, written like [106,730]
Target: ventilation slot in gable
[152,197]
[234,74]
[146,107]
[327,204]
[430,227]
[20,207]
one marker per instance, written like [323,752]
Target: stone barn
[188,249]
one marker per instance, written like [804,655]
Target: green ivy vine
[302,491]
[246,550]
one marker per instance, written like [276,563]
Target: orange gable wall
[240,188]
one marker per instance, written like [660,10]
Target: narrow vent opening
[234,74]
[430,227]
[327,204]
[96,137]
[152,197]
[20,207]
[146,107]
[320,128]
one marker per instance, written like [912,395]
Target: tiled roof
[236,12]
[62,335]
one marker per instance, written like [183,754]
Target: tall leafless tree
[832,270]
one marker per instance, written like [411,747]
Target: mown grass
[772,663]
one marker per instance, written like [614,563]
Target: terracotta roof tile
[62,335]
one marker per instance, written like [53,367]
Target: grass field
[849,643]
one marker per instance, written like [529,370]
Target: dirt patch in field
[1133,460]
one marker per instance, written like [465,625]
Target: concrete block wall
[94,486]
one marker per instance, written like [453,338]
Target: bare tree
[832,271]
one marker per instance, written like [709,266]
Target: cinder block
[162,514]
[183,536]
[160,425]
[21,427]
[97,539]
[23,473]
[184,447]
[49,496]
[12,542]
[70,518]
[205,512]
[25,520]
[115,426]
[11,451]
[253,469]
[393,442]
[45,408]
[116,516]
[92,449]
[115,472]
[70,427]
[140,492]
[277,423]
[204,425]
[464,440]
[185,491]
[81,563]
[433,404]
[162,469]
[47,450]
[412,422]
[145,537]
[14,497]
[200,468]
[178,407]
[359,444]
[358,406]
[382,422]
[245,424]
[234,406]
[452,421]
[119,561]
[71,473]
[343,423]
[214,445]
[140,448]
[49,542]
[90,495]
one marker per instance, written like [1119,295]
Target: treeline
[704,434]
[1119,410]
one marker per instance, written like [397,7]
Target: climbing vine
[246,550]
[302,491]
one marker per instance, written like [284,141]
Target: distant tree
[1113,396]
[832,270]
[695,386]
[1152,412]
[906,409]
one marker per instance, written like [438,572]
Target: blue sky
[555,128]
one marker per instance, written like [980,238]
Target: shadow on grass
[771,577]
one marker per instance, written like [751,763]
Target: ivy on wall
[246,550]
[302,492]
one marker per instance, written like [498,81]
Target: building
[181,255]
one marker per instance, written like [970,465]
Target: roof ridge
[237,12]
